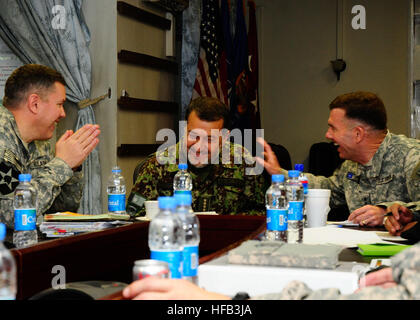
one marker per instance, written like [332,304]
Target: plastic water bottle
[8,286]
[302,178]
[295,212]
[24,204]
[191,227]
[276,205]
[182,180]
[166,236]
[116,192]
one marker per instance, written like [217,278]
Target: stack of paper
[62,224]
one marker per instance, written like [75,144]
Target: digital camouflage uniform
[405,272]
[58,187]
[392,175]
[223,188]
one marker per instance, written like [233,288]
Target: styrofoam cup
[317,207]
[152,208]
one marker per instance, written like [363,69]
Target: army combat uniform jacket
[223,188]
[58,187]
[392,175]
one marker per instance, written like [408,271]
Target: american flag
[211,70]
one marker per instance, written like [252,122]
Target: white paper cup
[152,208]
[317,207]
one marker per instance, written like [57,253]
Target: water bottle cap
[183,199]
[166,203]
[183,166]
[116,169]
[277,178]
[2,231]
[25,177]
[299,167]
[293,173]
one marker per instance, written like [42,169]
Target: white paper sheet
[340,236]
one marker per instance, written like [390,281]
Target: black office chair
[323,161]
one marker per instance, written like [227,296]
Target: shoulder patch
[9,178]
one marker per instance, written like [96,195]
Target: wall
[101,18]
[297,43]
[141,82]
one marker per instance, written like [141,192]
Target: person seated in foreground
[380,168]
[401,281]
[222,184]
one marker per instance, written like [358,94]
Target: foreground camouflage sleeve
[406,273]
[145,187]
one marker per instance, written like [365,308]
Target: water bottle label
[174,260]
[276,220]
[190,258]
[182,192]
[25,219]
[295,210]
[116,202]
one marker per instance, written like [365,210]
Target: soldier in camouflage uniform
[33,104]
[381,168]
[399,282]
[225,187]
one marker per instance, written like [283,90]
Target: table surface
[109,255]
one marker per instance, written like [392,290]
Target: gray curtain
[191,20]
[59,40]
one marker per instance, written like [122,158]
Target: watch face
[137,200]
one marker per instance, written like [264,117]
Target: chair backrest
[323,159]
[282,155]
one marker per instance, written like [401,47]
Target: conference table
[109,255]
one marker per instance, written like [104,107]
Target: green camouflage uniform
[392,175]
[58,187]
[405,272]
[223,188]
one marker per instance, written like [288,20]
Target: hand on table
[400,221]
[74,148]
[153,288]
[368,216]
[270,161]
[381,278]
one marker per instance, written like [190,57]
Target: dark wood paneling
[144,16]
[136,104]
[145,60]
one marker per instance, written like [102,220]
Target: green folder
[382,250]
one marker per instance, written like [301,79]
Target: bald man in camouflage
[381,168]
[32,107]
[221,185]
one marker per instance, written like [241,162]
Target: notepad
[383,250]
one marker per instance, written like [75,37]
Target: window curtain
[54,33]
[191,20]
